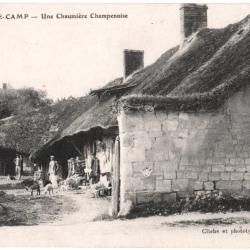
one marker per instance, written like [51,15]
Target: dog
[46,182]
[48,189]
[32,188]
[28,182]
[10,178]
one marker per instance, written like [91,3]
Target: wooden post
[116,179]
[76,148]
[4,169]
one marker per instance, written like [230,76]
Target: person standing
[95,167]
[21,164]
[53,169]
[73,166]
[17,162]
[79,166]
[88,169]
[69,168]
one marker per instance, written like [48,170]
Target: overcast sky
[68,57]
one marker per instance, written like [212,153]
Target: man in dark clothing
[95,167]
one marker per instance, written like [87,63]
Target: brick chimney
[132,60]
[4,86]
[193,18]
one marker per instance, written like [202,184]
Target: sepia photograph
[125,125]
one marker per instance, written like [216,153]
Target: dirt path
[77,230]
[87,208]
[61,208]
[142,232]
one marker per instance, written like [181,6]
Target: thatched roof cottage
[26,131]
[183,122]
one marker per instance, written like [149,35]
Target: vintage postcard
[125,125]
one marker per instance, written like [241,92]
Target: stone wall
[169,155]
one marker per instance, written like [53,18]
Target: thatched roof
[210,58]
[211,66]
[117,83]
[98,116]
[205,101]
[29,131]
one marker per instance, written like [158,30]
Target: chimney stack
[4,86]
[132,60]
[193,18]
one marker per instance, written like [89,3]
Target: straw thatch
[210,67]
[98,116]
[108,87]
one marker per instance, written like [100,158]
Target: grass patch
[27,210]
[214,204]
[104,217]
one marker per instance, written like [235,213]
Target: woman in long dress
[53,168]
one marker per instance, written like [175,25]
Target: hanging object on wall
[147,172]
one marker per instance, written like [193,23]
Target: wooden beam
[116,179]
[76,148]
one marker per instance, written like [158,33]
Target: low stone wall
[169,155]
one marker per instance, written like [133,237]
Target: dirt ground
[70,207]
[73,226]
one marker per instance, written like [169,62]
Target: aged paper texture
[125,125]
